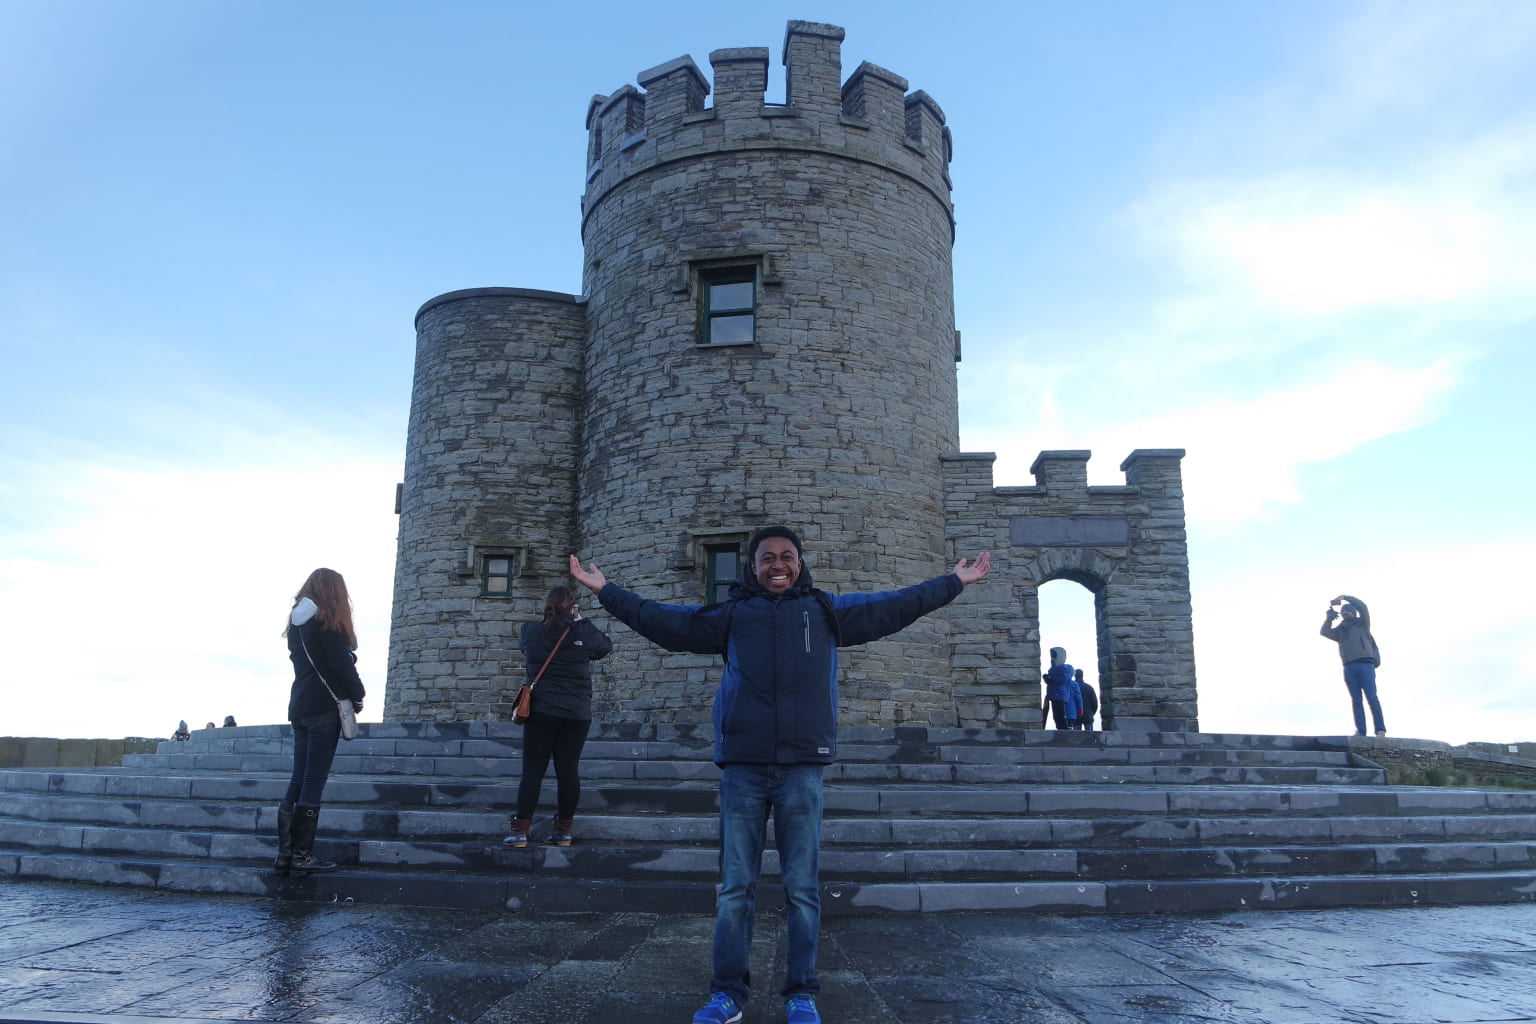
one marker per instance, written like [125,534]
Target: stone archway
[1094,572]
[1126,544]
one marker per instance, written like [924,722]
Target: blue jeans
[747,793]
[1360,677]
[314,748]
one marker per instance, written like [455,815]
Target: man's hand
[591,577]
[970,573]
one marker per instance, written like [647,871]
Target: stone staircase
[918,819]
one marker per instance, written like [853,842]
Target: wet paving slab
[84,954]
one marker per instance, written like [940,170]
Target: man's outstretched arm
[865,617]
[675,627]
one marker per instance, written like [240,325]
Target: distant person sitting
[1358,651]
[182,732]
[1090,701]
[210,725]
[1058,689]
[229,721]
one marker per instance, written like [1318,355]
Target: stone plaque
[1069,531]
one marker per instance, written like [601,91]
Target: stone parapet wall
[870,118]
[47,752]
[1431,760]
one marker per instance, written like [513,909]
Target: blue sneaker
[801,1010]
[722,1009]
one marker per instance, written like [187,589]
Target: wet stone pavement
[87,954]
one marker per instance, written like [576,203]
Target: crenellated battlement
[870,118]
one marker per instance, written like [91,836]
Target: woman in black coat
[321,640]
[562,711]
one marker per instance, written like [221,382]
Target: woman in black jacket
[320,644]
[562,711]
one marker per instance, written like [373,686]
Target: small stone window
[722,566]
[728,305]
[496,577]
[495,568]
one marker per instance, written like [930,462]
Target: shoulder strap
[726,608]
[314,666]
[826,603]
[547,660]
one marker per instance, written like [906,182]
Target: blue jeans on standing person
[748,792]
[1360,677]
[314,748]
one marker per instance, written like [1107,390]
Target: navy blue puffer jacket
[777,700]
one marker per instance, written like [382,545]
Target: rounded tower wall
[492,452]
[834,417]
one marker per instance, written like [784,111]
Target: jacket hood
[303,611]
[1058,656]
[746,584]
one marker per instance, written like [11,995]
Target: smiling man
[775,716]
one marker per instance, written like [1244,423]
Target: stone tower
[829,406]
[765,334]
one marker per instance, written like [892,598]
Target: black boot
[305,822]
[284,839]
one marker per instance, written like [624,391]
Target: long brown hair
[328,590]
[561,601]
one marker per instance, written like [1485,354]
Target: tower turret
[771,339]
[489,494]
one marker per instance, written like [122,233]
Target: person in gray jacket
[1347,622]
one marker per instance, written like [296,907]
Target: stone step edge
[1137,896]
[343,819]
[891,800]
[702,733]
[699,858]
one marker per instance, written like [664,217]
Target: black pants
[1056,709]
[314,748]
[545,737]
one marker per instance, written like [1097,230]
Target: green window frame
[722,567]
[496,574]
[728,305]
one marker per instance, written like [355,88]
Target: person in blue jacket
[775,720]
[1058,691]
[1075,700]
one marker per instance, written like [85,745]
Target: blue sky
[1296,239]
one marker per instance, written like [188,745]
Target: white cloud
[1244,454]
[1319,255]
[161,595]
